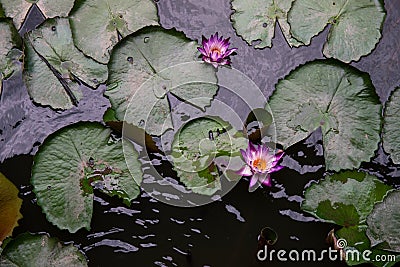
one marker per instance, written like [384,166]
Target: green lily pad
[358,244]
[335,97]
[344,198]
[54,67]
[40,250]
[10,50]
[353,241]
[72,163]
[384,222]
[391,124]
[195,150]
[98,24]
[256,20]
[150,64]
[356,248]
[355,25]
[10,205]
[18,9]
[355,237]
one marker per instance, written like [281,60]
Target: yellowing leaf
[10,204]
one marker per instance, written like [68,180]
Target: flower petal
[253,183]
[244,155]
[229,52]
[276,168]
[215,64]
[201,50]
[206,59]
[245,171]
[267,181]
[203,40]
[277,158]
[224,62]
[252,148]
[256,181]
[216,50]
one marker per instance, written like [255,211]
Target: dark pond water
[222,233]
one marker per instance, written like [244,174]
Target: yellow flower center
[260,164]
[216,50]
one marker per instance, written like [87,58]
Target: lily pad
[355,236]
[10,205]
[391,124]
[335,97]
[55,68]
[344,198]
[384,223]
[10,49]
[147,66]
[98,25]
[18,9]
[72,163]
[195,150]
[40,250]
[357,243]
[355,25]
[256,20]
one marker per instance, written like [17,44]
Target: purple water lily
[260,162]
[216,50]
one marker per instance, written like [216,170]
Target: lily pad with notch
[355,25]
[157,63]
[256,20]
[18,9]
[55,68]
[72,163]
[338,99]
[359,250]
[344,198]
[10,50]
[347,199]
[98,25]
[197,148]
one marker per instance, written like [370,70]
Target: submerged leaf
[10,205]
[335,97]
[18,9]
[72,163]
[355,25]
[344,198]
[54,67]
[10,49]
[196,149]
[40,250]
[147,66]
[256,20]
[391,126]
[384,223]
[98,24]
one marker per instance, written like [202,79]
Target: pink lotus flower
[215,50]
[260,162]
